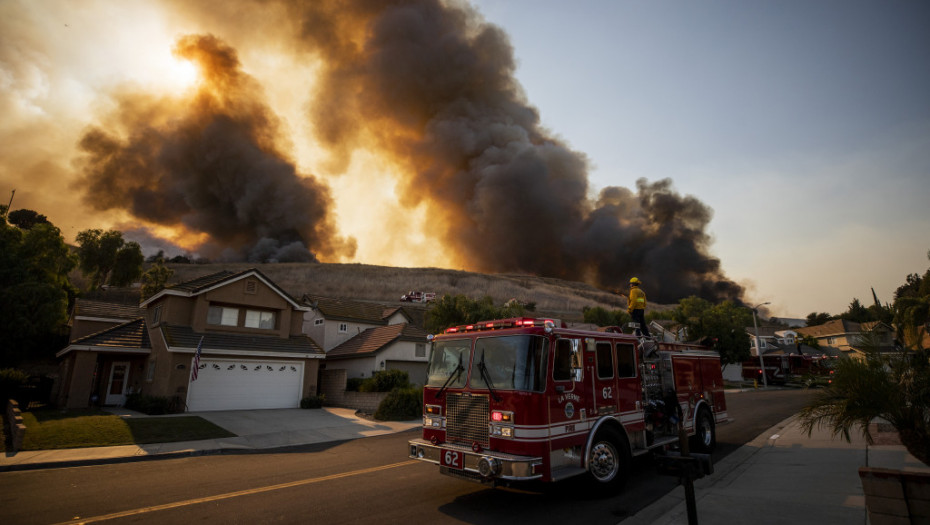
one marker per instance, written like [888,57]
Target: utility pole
[765,381]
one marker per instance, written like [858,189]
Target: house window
[223,315]
[156,315]
[259,319]
[343,328]
[150,371]
[251,287]
[318,322]
[831,340]
[421,350]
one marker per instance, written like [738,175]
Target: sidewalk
[784,476]
[255,430]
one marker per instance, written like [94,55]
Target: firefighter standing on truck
[636,305]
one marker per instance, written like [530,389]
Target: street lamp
[765,382]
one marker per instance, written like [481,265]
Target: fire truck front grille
[467,419]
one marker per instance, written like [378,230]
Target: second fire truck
[530,399]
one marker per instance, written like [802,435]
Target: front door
[116,387]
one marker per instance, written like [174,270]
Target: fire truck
[531,399]
[779,369]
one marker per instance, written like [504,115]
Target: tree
[451,311]
[857,312]
[26,219]
[105,256]
[155,279]
[34,290]
[602,317]
[815,319]
[725,323]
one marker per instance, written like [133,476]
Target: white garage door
[227,384]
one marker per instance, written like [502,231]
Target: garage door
[227,384]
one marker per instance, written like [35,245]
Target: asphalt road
[363,481]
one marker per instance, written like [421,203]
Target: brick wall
[17,428]
[895,496]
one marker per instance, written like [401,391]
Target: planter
[896,496]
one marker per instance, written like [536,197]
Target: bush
[11,382]
[385,381]
[313,401]
[354,383]
[154,405]
[402,404]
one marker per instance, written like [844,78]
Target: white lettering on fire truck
[569,397]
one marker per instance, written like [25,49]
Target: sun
[182,73]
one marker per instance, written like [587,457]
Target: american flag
[196,367]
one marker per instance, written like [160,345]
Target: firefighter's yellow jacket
[637,299]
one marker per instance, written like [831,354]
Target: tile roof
[348,310]
[186,337]
[830,328]
[208,282]
[130,335]
[91,308]
[374,339]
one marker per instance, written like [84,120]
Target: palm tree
[895,388]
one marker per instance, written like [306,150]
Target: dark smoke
[432,86]
[211,163]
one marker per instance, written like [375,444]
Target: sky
[803,126]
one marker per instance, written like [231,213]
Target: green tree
[155,279]
[815,319]
[724,323]
[105,256]
[857,312]
[602,317]
[26,219]
[34,290]
[451,311]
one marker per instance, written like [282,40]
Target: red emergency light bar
[516,322]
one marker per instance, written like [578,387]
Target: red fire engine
[529,399]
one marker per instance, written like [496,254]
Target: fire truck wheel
[609,460]
[705,433]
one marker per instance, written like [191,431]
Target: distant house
[363,338]
[843,336]
[393,347]
[253,351]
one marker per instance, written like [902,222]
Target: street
[358,481]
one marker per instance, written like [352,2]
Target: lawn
[53,429]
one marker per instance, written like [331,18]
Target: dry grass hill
[383,284]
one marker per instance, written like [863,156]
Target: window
[421,350]
[831,340]
[223,315]
[156,316]
[251,287]
[562,366]
[515,362]
[605,361]
[626,362]
[150,371]
[343,328]
[318,322]
[259,319]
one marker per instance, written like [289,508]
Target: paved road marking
[236,494]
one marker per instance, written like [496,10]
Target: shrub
[354,383]
[11,383]
[154,405]
[313,401]
[385,381]
[401,404]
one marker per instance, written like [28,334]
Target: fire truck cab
[529,399]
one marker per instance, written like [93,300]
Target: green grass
[52,429]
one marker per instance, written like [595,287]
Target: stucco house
[254,353]
[841,336]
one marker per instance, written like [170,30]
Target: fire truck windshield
[516,362]
[445,360]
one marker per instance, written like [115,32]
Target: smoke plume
[431,86]
[211,164]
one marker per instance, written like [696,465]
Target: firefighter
[636,305]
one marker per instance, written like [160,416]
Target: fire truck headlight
[507,432]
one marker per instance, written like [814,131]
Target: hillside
[383,284]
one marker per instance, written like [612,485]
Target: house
[249,332]
[89,317]
[842,336]
[362,338]
[392,347]
[773,340]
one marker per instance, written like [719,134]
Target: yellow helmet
[634,280]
